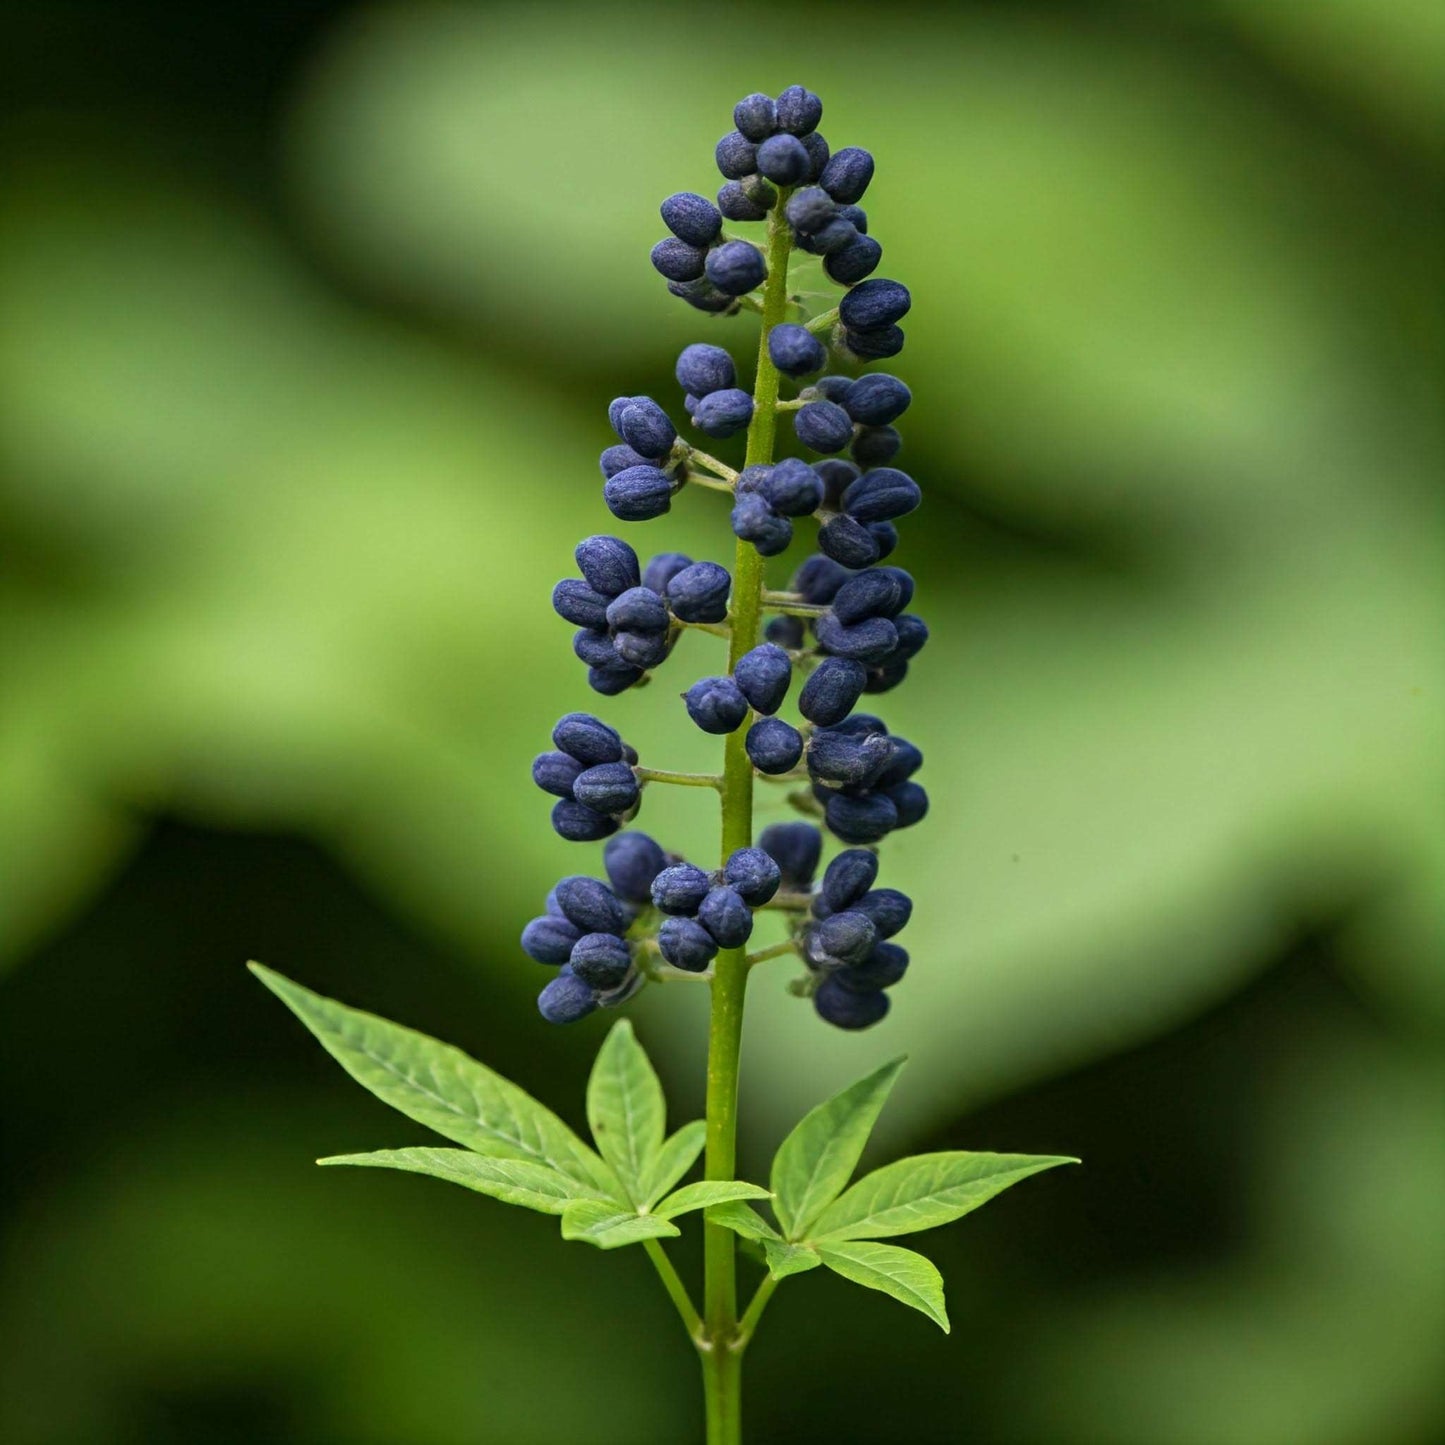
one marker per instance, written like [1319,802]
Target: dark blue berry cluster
[842,625]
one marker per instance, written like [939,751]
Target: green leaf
[439,1086]
[513,1181]
[609,1227]
[905,1275]
[925,1190]
[706,1192]
[785,1259]
[625,1108]
[742,1219]
[674,1159]
[815,1161]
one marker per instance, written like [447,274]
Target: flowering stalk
[842,625]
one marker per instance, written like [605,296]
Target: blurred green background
[311,315]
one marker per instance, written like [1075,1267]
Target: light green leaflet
[924,1191]
[674,1159]
[513,1181]
[900,1272]
[742,1219]
[785,1259]
[707,1192]
[815,1161]
[608,1225]
[439,1086]
[625,1109]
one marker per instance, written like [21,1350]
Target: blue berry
[566,999]
[881,495]
[878,592]
[836,235]
[795,351]
[783,159]
[638,494]
[691,218]
[615,678]
[830,693]
[726,916]
[874,304]
[831,388]
[763,675]
[872,640]
[798,111]
[912,634]
[875,446]
[642,649]
[903,761]
[911,801]
[632,860]
[736,155]
[848,759]
[755,521]
[680,889]
[863,819]
[662,568]
[876,345]
[847,878]
[796,848]
[886,677]
[555,773]
[686,944]
[848,541]
[847,174]
[877,399]
[810,209]
[703,296]
[823,426]
[588,739]
[774,746]
[600,960]
[716,704]
[608,564]
[723,413]
[791,488]
[847,1008]
[885,534]
[845,937]
[618,458]
[850,263]
[609,788]
[646,428]
[756,117]
[856,217]
[591,905]
[639,609]
[699,592]
[735,268]
[754,874]
[677,260]
[549,939]
[576,602]
[737,205]
[881,969]
[820,579]
[817,149]
[889,909]
[784,631]
[703,369]
[862,722]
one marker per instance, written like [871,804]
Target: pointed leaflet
[706,1192]
[513,1181]
[673,1160]
[607,1226]
[814,1162]
[900,1272]
[625,1108]
[923,1191]
[439,1086]
[786,1259]
[742,1219]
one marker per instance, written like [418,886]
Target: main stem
[722,1346]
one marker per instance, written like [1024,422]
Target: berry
[847,174]
[632,860]
[737,205]
[903,762]
[817,149]
[754,875]
[830,693]
[699,592]
[847,878]
[810,209]
[716,704]
[588,739]
[618,458]
[875,345]
[847,1008]
[819,579]
[856,217]
[849,264]
[792,488]
[874,304]
[785,631]
[591,905]
[677,260]
[796,848]
[871,640]
[691,218]
[662,568]
[566,999]
[727,917]
[593,645]
[878,592]
[680,889]
[847,540]
[555,773]
[735,268]
[646,428]
[686,944]
[881,969]
[723,413]
[885,534]
[911,801]
[549,939]
[756,522]
[783,159]
[756,117]
[875,446]
[795,351]
[863,819]
[600,960]
[774,746]
[889,909]
[638,494]
[881,495]
[610,788]
[912,634]
[736,155]
[703,296]
[847,759]
[578,823]
[639,609]
[608,564]
[831,388]
[844,937]
[609,681]
[762,676]
[798,111]
[877,400]
[702,369]
[823,426]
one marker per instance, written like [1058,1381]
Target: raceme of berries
[792,665]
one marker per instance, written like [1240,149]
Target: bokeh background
[312,312]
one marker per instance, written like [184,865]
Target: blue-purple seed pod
[575,602]
[588,739]
[882,495]
[754,874]
[737,205]
[600,960]
[639,609]
[639,494]
[736,155]
[735,268]
[810,209]
[878,592]
[566,999]
[726,916]
[889,909]
[716,705]
[762,676]
[874,304]
[618,458]
[885,534]
[703,369]
[847,937]
[662,568]
[646,428]
[686,944]
[591,905]
[847,174]
[820,579]
[680,889]
[691,218]
[871,641]
[903,761]
[795,351]
[847,1008]
[632,861]
[594,647]
[774,746]
[848,541]
[755,521]
[556,772]
[699,592]
[911,801]
[883,967]
[609,788]
[886,677]
[848,877]
[876,446]
[549,939]
[642,649]
[608,564]
[786,632]
[614,679]
[847,759]
[817,149]
[823,426]
[798,110]
[678,261]
[877,399]
[783,159]
[723,413]
[704,296]
[877,345]
[756,117]
[912,634]
[863,819]
[830,388]
[856,217]
[850,264]
[835,236]
[831,691]
[796,848]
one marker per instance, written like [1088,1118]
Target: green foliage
[707,1192]
[626,1110]
[907,1276]
[610,1225]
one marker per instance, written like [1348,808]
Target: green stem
[824,321]
[676,1290]
[755,1310]
[721,1366]
[776,951]
[683,780]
